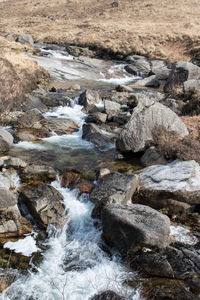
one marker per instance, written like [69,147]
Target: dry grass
[168,30]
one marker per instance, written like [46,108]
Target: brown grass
[167,29]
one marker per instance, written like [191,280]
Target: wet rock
[111,108]
[114,188]
[30,119]
[54,99]
[107,295]
[174,186]
[89,99]
[150,81]
[152,157]
[38,173]
[96,118]
[14,162]
[128,226]
[103,172]
[25,39]
[92,133]
[11,221]
[191,85]
[139,130]
[181,72]
[124,88]
[32,134]
[139,64]
[74,180]
[44,203]
[60,126]
[159,68]
[34,102]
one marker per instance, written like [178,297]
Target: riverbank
[169,31]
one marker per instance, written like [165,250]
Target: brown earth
[167,28]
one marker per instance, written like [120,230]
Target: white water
[74,267]
[25,246]
[183,235]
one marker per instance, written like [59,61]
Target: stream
[74,264]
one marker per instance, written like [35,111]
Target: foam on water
[183,235]
[30,146]
[24,246]
[16,180]
[74,266]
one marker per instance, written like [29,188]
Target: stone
[96,118]
[6,136]
[60,126]
[11,222]
[54,99]
[25,39]
[10,37]
[111,108]
[89,99]
[152,157]
[34,172]
[34,102]
[181,72]
[74,180]
[44,203]
[113,188]
[127,227]
[139,64]
[174,186]
[124,88]
[191,85]
[145,117]
[145,95]
[150,81]
[107,295]
[14,162]
[30,119]
[31,134]
[92,133]
[159,68]
[4,146]
[6,181]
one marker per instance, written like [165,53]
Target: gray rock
[150,81]
[128,226]
[60,126]
[97,118]
[124,88]
[89,99]
[6,181]
[174,186]
[1,162]
[10,37]
[145,95]
[54,99]
[181,72]
[4,146]
[34,102]
[114,188]
[152,157]
[107,295]
[139,64]
[6,136]
[159,68]
[44,203]
[30,119]
[145,117]
[111,108]
[25,39]
[191,85]
[92,133]
[14,162]
[38,173]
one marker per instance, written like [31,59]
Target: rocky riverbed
[99,181]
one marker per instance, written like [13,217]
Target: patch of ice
[24,246]
[183,235]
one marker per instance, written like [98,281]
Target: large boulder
[127,227]
[96,118]
[89,99]
[11,222]
[92,133]
[160,69]
[113,188]
[34,102]
[152,157]
[111,107]
[30,119]
[181,72]
[147,115]
[174,186]
[6,140]
[191,85]
[34,172]
[25,39]
[44,203]
[60,126]
[138,65]
[54,99]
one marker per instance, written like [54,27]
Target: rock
[124,88]
[14,162]
[1,162]
[174,186]
[150,81]
[4,146]
[159,68]
[44,203]
[75,87]
[145,95]
[6,181]
[89,99]
[74,180]
[114,188]
[11,222]
[32,134]
[25,39]
[129,226]
[30,119]
[34,102]
[38,173]
[181,72]
[152,157]
[121,119]
[111,108]
[6,136]
[107,295]
[103,172]
[60,126]
[145,117]
[139,64]
[92,133]
[96,118]
[54,99]
[131,70]
[10,37]
[191,85]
